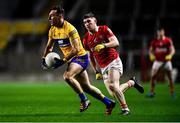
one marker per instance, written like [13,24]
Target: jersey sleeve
[73,33]
[108,32]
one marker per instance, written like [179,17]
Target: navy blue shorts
[81,60]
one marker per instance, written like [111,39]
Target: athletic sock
[124,107]
[106,101]
[83,97]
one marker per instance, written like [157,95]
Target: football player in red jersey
[101,44]
[161,52]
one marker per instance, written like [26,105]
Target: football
[49,59]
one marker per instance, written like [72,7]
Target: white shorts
[115,64]
[163,65]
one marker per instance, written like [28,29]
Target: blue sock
[106,101]
[82,97]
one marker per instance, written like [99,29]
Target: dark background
[24,28]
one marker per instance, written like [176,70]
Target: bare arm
[172,49]
[151,52]
[113,42]
[49,47]
[93,63]
[75,49]
[95,68]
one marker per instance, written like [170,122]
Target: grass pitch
[56,102]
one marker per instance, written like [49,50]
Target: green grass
[57,102]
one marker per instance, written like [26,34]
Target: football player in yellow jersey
[70,44]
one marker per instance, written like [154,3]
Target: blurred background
[24,29]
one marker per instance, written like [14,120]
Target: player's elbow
[174,51]
[117,44]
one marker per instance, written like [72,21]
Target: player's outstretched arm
[94,67]
[48,49]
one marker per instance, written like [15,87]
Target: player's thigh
[156,68]
[83,78]
[113,71]
[74,69]
[107,84]
[112,81]
[113,77]
[154,72]
[168,66]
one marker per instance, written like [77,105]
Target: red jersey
[106,55]
[161,48]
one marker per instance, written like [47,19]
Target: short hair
[88,15]
[159,28]
[59,9]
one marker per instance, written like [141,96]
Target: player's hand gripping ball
[51,59]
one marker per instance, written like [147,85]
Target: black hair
[158,28]
[88,15]
[59,9]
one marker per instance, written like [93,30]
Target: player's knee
[154,77]
[112,87]
[121,89]
[64,76]
[67,77]
[87,88]
[111,93]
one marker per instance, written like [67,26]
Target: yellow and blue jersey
[63,37]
